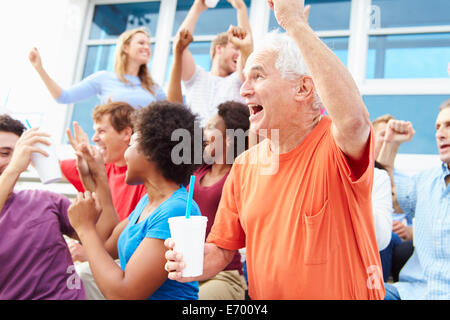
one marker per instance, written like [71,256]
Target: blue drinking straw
[189,202]
[28,123]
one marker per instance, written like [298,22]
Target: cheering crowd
[291,168]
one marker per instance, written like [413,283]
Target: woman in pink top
[221,148]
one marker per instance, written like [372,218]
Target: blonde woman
[130,82]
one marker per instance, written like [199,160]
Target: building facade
[397,50]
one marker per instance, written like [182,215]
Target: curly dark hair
[236,116]
[155,125]
[8,124]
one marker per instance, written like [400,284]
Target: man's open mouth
[254,109]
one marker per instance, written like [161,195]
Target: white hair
[289,60]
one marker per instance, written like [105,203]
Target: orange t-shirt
[306,222]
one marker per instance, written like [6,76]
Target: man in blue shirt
[426,275]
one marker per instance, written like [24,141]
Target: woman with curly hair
[130,82]
[225,137]
[138,241]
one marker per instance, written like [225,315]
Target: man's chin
[445,158]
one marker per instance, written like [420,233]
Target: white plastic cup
[211,3]
[189,237]
[47,167]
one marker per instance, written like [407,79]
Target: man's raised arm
[332,80]
[188,63]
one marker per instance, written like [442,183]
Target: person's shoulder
[176,205]
[380,177]
[431,173]
[39,195]
[199,74]
[101,75]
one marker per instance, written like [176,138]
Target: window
[325,15]
[210,23]
[421,110]
[409,39]
[397,50]
[408,56]
[411,13]
[331,20]
[108,22]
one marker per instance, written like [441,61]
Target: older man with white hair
[307,225]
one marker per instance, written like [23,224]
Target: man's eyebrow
[6,148]
[256,67]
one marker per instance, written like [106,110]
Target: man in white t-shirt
[205,90]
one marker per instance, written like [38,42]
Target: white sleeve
[382,208]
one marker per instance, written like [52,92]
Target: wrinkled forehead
[443,116]
[262,60]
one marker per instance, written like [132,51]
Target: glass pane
[99,58]
[421,110]
[408,56]
[339,45]
[200,51]
[407,13]
[211,21]
[324,15]
[82,113]
[112,19]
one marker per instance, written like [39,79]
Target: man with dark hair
[35,260]
[229,52]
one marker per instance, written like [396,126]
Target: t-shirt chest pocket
[319,242]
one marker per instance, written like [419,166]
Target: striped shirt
[426,275]
[205,91]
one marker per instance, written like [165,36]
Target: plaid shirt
[426,197]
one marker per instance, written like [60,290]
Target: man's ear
[304,89]
[127,133]
[218,49]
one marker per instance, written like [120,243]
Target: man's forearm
[334,83]
[174,93]
[242,17]
[109,217]
[215,260]
[191,19]
[387,155]
[244,54]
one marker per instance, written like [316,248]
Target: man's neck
[290,137]
[120,163]
[216,70]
